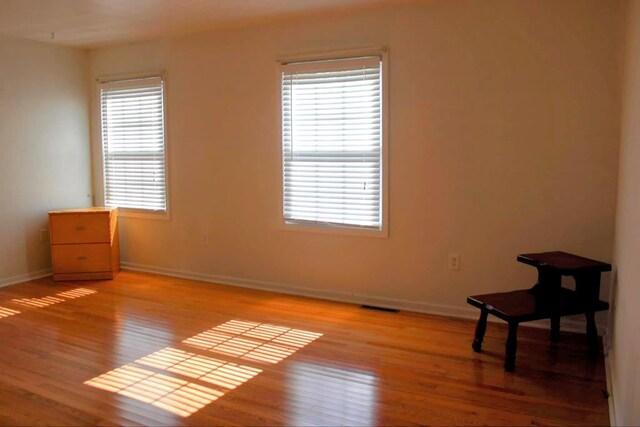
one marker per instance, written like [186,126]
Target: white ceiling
[94,23]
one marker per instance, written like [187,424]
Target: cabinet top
[84,210]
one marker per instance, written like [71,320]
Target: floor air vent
[373,307]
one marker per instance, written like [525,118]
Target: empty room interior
[319,212]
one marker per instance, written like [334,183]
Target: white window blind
[332,142]
[133,144]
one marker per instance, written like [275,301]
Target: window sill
[143,214]
[333,230]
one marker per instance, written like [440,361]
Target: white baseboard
[568,325]
[610,389]
[8,281]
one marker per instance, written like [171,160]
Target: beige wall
[44,148]
[625,354]
[504,125]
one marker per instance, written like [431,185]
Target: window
[133,144]
[332,136]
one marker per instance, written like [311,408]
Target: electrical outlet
[44,235]
[454,262]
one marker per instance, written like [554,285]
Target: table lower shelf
[523,306]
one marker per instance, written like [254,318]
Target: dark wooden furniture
[546,300]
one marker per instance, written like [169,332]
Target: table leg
[549,281]
[555,328]
[481,328]
[592,334]
[588,285]
[511,347]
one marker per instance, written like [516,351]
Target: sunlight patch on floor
[171,394]
[60,297]
[257,342]
[37,302]
[76,293]
[219,372]
[6,312]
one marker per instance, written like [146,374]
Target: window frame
[330,228]
[98,158]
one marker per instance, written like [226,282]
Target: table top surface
[564,262]
[106,209]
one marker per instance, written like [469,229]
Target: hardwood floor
[154,350]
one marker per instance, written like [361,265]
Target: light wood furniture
[84,243]
[368,367]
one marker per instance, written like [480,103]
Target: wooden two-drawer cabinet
[84,243]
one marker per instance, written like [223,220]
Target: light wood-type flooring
[152,350]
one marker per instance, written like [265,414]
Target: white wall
[625,353]
[504,126]
[44,148]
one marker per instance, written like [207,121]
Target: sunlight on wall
[6,312]
[258,342]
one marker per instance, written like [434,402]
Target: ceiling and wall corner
[44,149]
[89,24]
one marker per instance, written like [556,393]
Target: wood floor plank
[96,359]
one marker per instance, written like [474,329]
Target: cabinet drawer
[81,258]
[80,228]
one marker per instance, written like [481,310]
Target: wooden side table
[546,300]
[85,243]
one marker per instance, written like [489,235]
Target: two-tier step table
[546,300]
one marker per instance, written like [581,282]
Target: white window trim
[336,229]
[97,152]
